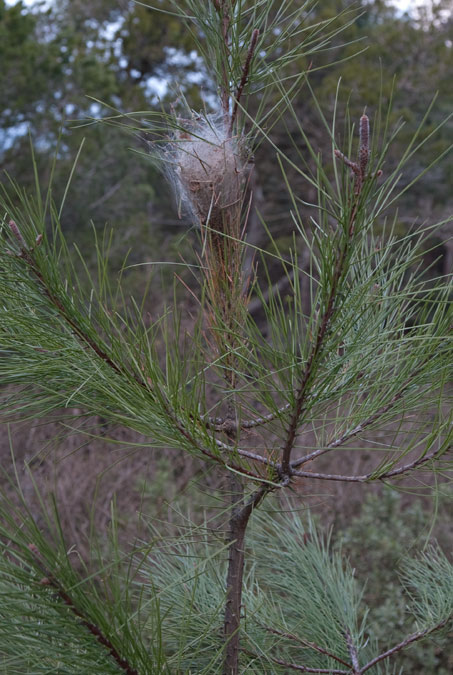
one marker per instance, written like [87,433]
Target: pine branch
[50,580]
[316,349]
[360,174]
[219,459]
[26,254]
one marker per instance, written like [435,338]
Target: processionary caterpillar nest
[208,169]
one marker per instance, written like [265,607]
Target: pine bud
[16,232]
[364,150]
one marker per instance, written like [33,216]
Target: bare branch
[247,453]
[259,421]
[245,74]
[371,476]
[353,653]
[223,424]
[413,465]
[307,643]
[350,434]
[242,510]
[301,669]
[352,165]
[402,645]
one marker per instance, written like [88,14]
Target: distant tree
[54,57]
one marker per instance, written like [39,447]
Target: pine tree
[362,341]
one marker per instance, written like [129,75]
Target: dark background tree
[56,56]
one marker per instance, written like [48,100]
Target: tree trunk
[239,519]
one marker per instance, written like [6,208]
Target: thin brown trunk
[239,519]
[236,538]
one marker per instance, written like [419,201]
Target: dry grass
[85,474]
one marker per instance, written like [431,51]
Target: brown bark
[240,515]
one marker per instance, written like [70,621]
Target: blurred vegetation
[376,541]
